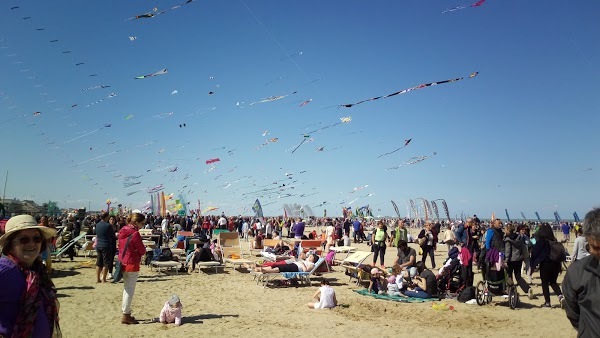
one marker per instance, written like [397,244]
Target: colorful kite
[160,72]
[306,102]
[213,160]
[348,105]
[128,117]
[477,4]
[406,142]
[37,113]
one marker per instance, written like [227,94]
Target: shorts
[105,258]
[317,305]
[288,268]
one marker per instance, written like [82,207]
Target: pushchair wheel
[480,295]
[513,297]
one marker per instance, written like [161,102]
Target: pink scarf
[39,292]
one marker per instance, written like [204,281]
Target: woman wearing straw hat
[28,304]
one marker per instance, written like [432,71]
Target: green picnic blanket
[365,292]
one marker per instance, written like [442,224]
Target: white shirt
[164,224]
[326,299]
[222,221]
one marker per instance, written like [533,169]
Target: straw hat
[23,222]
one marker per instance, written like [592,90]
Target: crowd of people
[520,248]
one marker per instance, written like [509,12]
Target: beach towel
[365,292]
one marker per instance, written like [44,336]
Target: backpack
[466,294]
[557,252]
[165,255]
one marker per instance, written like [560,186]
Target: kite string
[275,40]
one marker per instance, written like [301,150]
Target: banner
[414,209]
[576,217]
[556,217]
[396,209]
[538,216]
[507,217]
[446,209]
[523,215]
[435,210]
[257,209]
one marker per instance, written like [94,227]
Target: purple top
[12,286]
[299,229]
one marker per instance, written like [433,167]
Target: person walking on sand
[105,248]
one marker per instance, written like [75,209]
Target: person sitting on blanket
[325,296]
[376,285]
[406,259]
[298,266]
[396,282]
[425,285]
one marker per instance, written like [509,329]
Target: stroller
[495,283]
[449,280]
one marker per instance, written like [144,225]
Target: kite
[342,120]
[53,40]
[413,160]
[14,7]
[163,115]
[131,38]
[306,102]
[174,169]
[40,29]
[291,56]
[265,133]
[320,148]
[213,160]
[209,209]
[111,95]
[160,72]
[477,4]
[37,113]
[128,117]
[406,142]
[181,126]
[130,184]
[174,92]
[306,137]
[95,87]
[155,189]
[107,125]
[210,93]
[271,98]
[348,105]
[88,133]
[156,12]
[66,52]
[79,64]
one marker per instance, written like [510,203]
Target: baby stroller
[449,279]
[495,283]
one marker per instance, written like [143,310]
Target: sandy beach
[230,304]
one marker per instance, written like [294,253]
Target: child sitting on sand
[325,296]
[171,312]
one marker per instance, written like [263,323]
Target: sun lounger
[166,265]
[351,263]
[304,277]
[211,264]
[231,248]
[63,249]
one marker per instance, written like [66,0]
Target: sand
[230,304]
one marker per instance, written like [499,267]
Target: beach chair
[352,262]
[231,249]
[88,248]
[303,277]
[312,244]
[272,243]
[165,266]
[63,249]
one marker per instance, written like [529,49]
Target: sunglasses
[27,240]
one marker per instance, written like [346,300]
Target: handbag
[422,240]
[118,275]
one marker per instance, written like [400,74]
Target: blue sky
[521,135]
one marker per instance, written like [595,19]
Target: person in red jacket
[131,250]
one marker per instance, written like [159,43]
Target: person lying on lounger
[299,265]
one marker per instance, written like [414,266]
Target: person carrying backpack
[549,268]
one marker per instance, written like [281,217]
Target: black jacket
[581,288]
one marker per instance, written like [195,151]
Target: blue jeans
[417,293]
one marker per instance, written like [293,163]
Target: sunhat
[174,300]
[375,271]
[23,222]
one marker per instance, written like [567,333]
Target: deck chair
[62,250]
[271,243]
[312,244]
[88,248]
[231,248]
[352,262]
[303,277]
